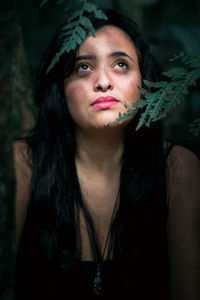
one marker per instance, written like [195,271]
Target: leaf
[90,7]
[77,39]
[159,104]
[73,44]
[69,26]
[76,14]
[87,24]
[43,3]
[147,83]
[176,73]
[159,84]
[68,33]
[143,91]
[53,62]
[151,99]
[100,15]
[81,32]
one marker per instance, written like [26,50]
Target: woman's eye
[83,68]
[121,65]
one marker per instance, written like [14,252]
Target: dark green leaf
[90,7]
[69,32]
[100,15]
[69,26]
[159,84]
[77,39]
[75,15]
[81,32]
[53,62]
[175,72]
[87,24]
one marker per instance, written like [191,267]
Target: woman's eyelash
[123,62]
[83,65]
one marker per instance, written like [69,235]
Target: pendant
[97,282]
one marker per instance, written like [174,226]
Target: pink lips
[104,102]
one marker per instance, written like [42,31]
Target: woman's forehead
[108,38]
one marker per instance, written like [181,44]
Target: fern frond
[76,30]
[168,94]
[90,7]
[131,110]
[180,90]
[158,106]
[148,103]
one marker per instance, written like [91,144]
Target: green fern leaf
[53,62]
[77,28]
[87,24]
[143,91]
[159,105]
[181,90]
[175,73]
[76,14]
[68,33]
[81,32]
[90,7]
[69,26]
[77,39]
[159,84]
[147,83]
[151,100]
[100,15]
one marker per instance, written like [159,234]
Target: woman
[104,211]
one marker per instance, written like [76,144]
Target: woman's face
[106,76]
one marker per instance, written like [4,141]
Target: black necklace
[97,282]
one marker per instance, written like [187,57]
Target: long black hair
[50,239]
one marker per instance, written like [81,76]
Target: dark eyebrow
[113,54]
[82,57]
[120,53]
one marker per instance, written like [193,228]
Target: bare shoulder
[182,158]
[183,173]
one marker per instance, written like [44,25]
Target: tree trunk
[14,116]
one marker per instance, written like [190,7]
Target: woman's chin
[112,123]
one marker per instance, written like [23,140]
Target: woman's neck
[99,152]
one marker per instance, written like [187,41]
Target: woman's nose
[102,82]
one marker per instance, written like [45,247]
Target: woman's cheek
[73,92]
[130,88]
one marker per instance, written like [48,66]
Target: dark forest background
[25,30]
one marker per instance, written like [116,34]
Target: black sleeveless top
[139,279]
